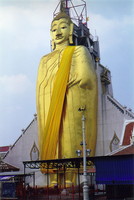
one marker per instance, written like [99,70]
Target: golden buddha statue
[66,81]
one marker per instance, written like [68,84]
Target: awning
[6,178]
[117,169]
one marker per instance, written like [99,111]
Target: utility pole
[85,181]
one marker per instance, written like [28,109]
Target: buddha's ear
[53,44]
[52,41]
[71,33]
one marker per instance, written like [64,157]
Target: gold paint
[61,31]
[52,126]
[81,91]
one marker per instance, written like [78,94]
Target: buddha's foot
[53,184]
[68,183]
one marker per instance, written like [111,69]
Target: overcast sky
[25,38]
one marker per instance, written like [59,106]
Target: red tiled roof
[4,148]
[128,133]
[128,150]
[5,167]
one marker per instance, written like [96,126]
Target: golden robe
[81,91]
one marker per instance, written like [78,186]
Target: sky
[25,38]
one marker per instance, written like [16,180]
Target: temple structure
[115,122]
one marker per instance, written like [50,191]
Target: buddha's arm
[85,69]
[40,83]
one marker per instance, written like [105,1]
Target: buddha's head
[61,30]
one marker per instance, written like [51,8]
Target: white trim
[118,150]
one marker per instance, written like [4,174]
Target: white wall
[111,116]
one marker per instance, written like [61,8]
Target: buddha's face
[60,30]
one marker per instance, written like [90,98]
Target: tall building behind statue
[115,122]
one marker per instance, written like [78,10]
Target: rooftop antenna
[77,12]
[64,6]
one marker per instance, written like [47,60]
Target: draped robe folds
[81,91]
